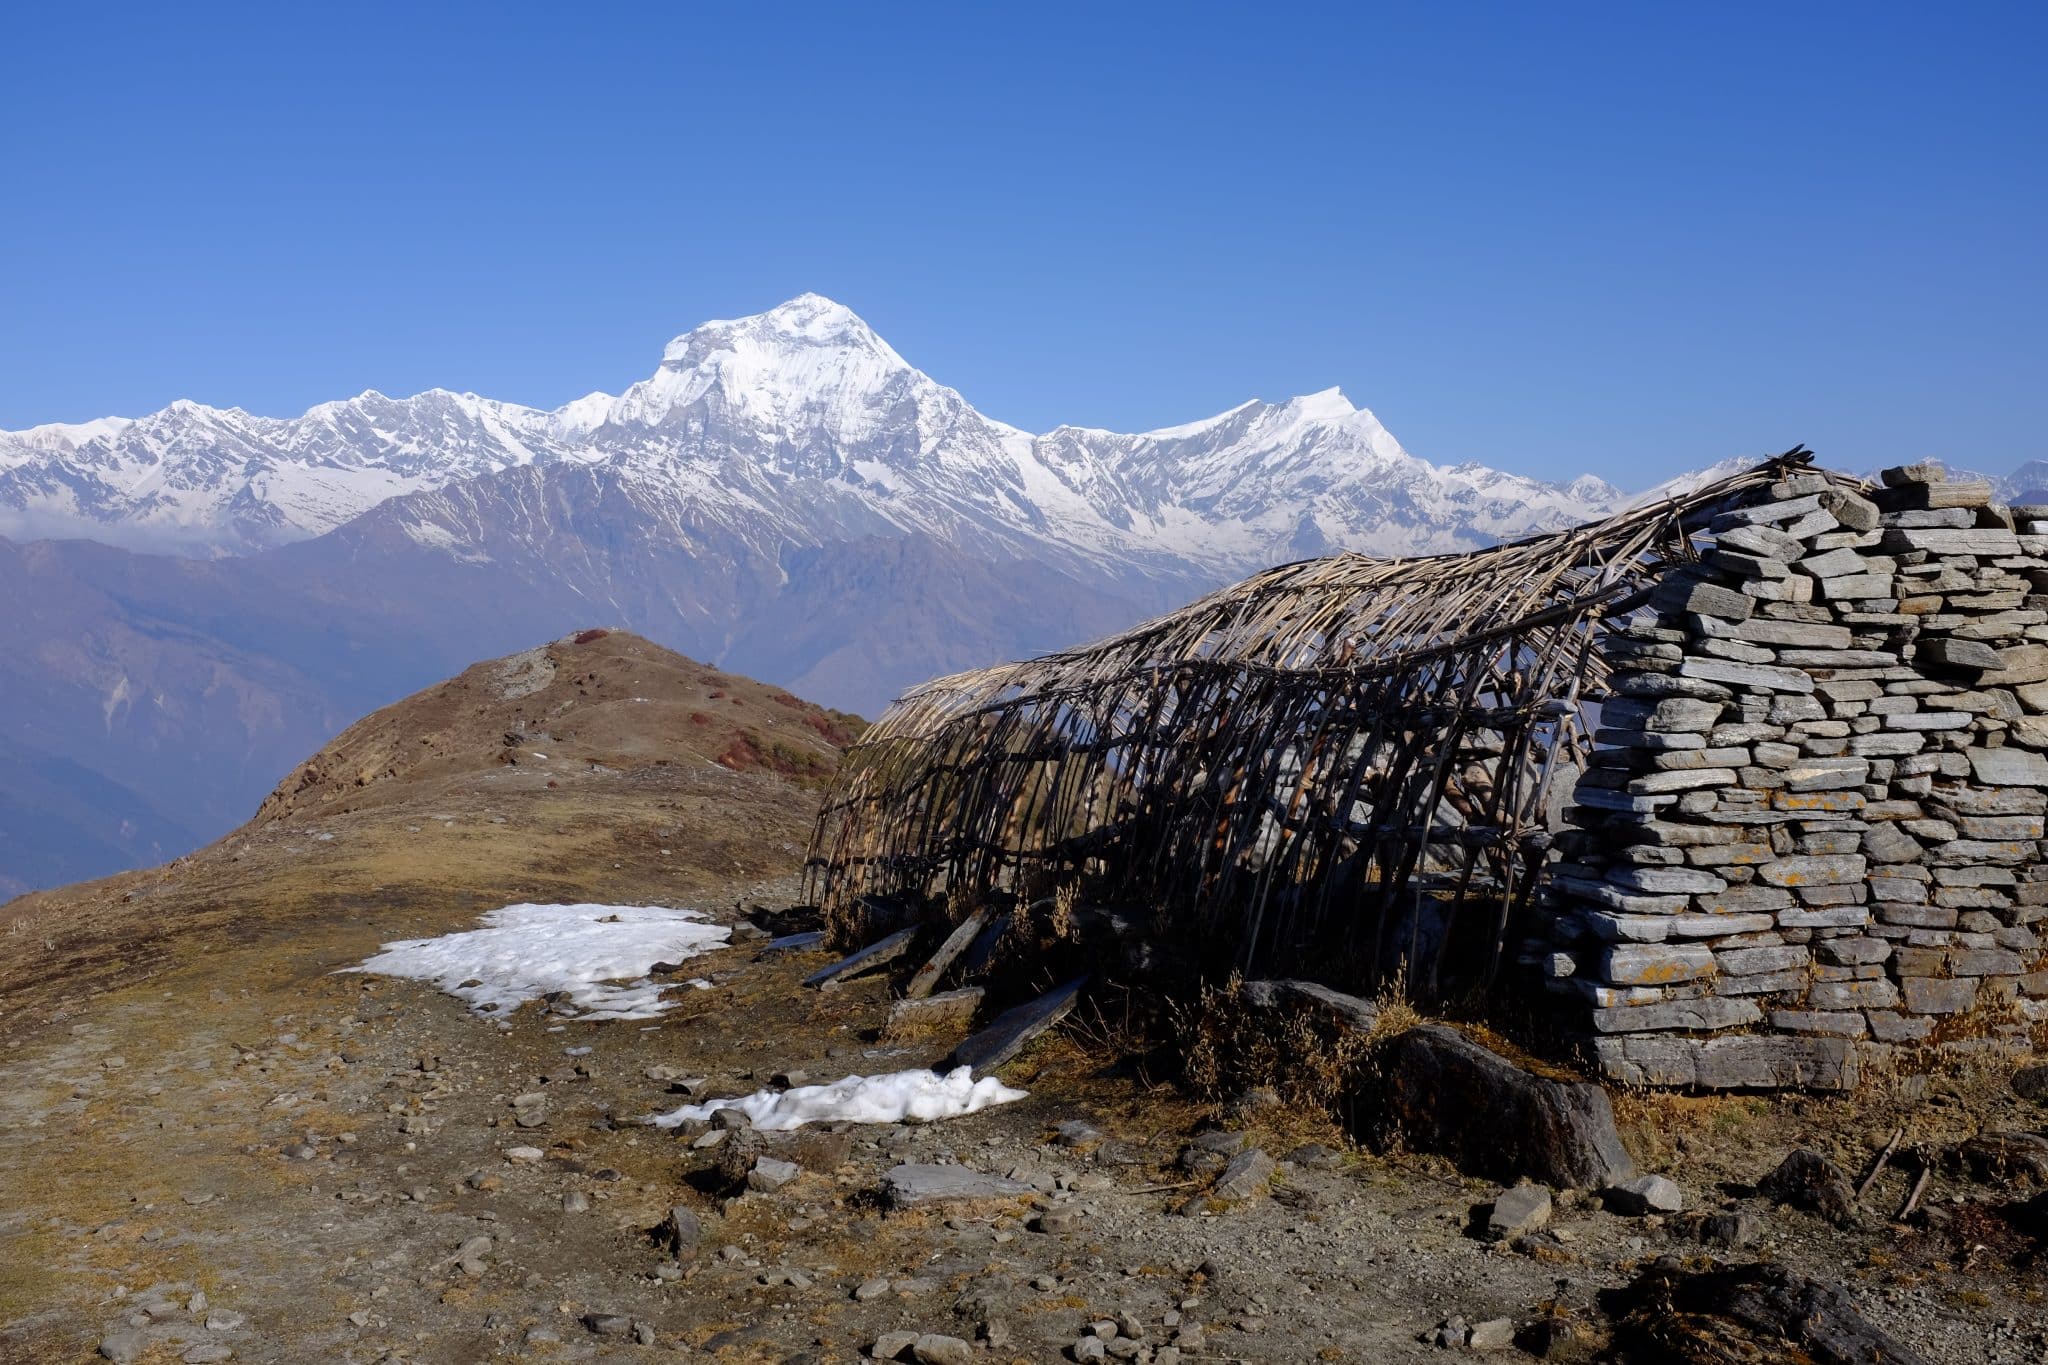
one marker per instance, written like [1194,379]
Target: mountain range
[797,426]
[193,599]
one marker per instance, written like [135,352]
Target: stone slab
[1744,1062]
[879,953]
[1012,1029]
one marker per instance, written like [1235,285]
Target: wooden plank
[1013,1028]
[928,975]
[881,951]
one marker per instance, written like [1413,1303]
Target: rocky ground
[213,1146]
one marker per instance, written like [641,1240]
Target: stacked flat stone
[1812,827]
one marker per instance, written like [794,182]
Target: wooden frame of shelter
[1316,760]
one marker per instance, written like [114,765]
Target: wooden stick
[1877,1166]
[1919,1188]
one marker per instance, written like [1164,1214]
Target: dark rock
[1747,1312]
[2031,1083]
[1807,1180]
[1439,1091]
[1732,1230]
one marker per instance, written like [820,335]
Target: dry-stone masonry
[1811,832]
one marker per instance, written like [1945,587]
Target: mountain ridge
[806,417]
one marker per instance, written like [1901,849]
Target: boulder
[680,1232]
[1520,1210]
[1645,1194]
[1248,1175]
[1807,1180]
[1438,1091]
[1747,1312]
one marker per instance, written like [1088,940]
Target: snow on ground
[599,954]
[861,1099]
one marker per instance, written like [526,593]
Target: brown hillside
[599,701]
[600,766]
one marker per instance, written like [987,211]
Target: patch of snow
[892,1098]
[599,954]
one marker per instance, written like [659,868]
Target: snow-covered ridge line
[805,425]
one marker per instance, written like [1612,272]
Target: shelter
[1353,761]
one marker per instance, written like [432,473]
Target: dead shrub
[1227,1045]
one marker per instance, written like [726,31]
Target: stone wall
[1812,829]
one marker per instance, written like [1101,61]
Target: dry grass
[1229,1045]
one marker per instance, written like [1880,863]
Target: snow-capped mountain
[796,426]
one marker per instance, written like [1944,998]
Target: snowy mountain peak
[803,376]
[806,322]
[1326,405]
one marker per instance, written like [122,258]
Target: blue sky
[1627,239]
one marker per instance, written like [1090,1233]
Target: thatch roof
[1292,764]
